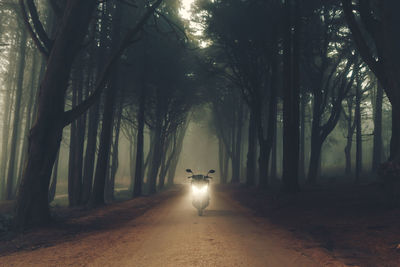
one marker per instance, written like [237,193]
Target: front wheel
[200,212]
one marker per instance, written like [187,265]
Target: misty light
[186,9]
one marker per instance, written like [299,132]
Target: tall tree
[291,91]
[357,121]
[46,134]
[375,32]
[377,145]
[248,48]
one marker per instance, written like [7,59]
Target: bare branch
[172,24]
[71,115]
[364,49]
[38,26]
[128,3]
[35,38]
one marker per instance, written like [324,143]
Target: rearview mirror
[211,171]
[189,170]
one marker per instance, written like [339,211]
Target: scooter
[200,190]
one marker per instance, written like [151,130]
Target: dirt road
[171,234]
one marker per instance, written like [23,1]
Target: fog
[292,106]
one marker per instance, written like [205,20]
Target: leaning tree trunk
[46,134]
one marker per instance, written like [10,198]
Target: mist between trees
[115,99]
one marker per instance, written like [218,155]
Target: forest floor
[241,227]
[354,224]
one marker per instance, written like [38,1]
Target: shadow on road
[220,213]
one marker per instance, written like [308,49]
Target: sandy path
[172,234]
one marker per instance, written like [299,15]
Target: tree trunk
[175,160]
[166,162]
[46,134]
[315,161]
[53,185]
[148,157]
[78,129]
[266,147]
[94,111]
[137,188]
[156,158]
[225,165]
[29,111]
[221,160]
[274,171]
[263,164]
[302,171]
[236,153]
[291,133]
[349,137]
[16,123]
[73,198]
[357,118]
[251,152]
[163,171]
[377,146]
[222,155]
[90,154]
[132,159]
[103,157]
[395,139]
[8,106]
[386,67]
[114,158]
[316,143]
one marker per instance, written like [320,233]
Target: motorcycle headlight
[199,189]
[203,189]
